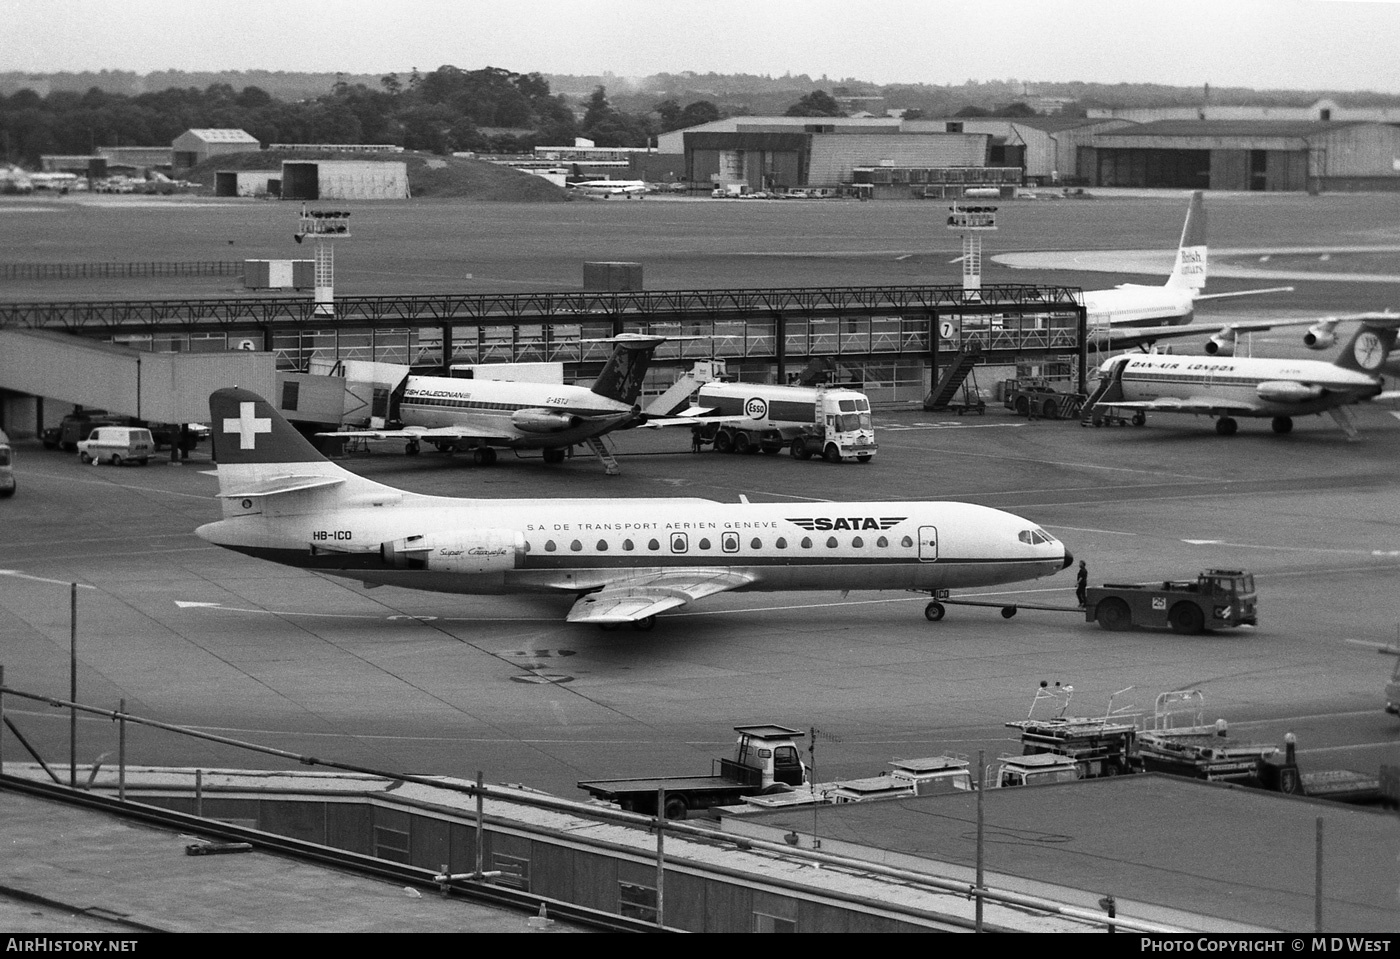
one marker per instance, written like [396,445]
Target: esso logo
[756,407]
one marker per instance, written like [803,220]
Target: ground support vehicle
[117,445]
[1098,746]
[76,426]
[1039,399]
[1392,688]
[829,422]
[7,467]
[766,760]
[936,609]
[1216,598]
[1201,751]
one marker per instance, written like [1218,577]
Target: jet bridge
[156,387]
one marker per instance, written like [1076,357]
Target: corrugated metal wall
[835,155]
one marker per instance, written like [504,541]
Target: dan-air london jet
[602,189]
[1228,387]
[623,560]
[482,414]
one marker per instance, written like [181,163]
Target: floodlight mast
[325,226]
[972,222]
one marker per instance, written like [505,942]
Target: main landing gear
[644,625]
[1226,426]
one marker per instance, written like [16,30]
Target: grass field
[453,246]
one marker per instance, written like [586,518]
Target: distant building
[1324,110]
[136,160]
[337,147]
[786,153]
[1272,155]
[195,146]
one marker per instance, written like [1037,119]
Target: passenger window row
[654,545]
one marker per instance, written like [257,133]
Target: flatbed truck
[1216,598]
[766,760]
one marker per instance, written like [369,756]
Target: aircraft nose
[1069,560]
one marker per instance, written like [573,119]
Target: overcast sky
[1266,44]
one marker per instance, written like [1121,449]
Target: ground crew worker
[695,441]
[1081,584]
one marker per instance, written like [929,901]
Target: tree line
[491,110]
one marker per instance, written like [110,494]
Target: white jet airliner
[1133,314]
[623,560]
[602,189]
[1229,387]
[473,414]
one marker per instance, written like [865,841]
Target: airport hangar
[941,158]
[916,341]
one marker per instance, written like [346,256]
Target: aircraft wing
[1128,337]
[1202,405]
[655,422]
[422,433]
[638,597]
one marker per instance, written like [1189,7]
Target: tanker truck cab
[842,430]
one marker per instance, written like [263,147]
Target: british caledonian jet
[1132,314]
[624,560]
[482,414]
[1228,387]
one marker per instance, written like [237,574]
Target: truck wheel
[1114,615]
[1023,406]
[676,807]
[724,442]
[742,443]
[85,459]
[831,454]
[863,459]
[800,450]
[116,459]
[1050,410]
[934,611]
[1186,618]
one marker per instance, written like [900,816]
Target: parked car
[76,426]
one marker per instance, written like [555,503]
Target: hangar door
[300,181]
[1135,167]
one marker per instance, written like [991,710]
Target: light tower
[326,226]
[972,222]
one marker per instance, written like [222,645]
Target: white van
[7,472]
[117,445]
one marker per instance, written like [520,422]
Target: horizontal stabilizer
[1223,296]
[281,485]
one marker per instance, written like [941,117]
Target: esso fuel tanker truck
[824,421]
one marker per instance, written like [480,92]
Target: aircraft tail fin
[622,376]
[1370,346]
[263,460]
[1189,272]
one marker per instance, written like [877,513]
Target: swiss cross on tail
[247,429]
[247,426]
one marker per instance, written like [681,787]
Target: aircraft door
[928,544]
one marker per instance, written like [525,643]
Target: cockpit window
[1035,536]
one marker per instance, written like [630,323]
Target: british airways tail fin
[1190,269]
